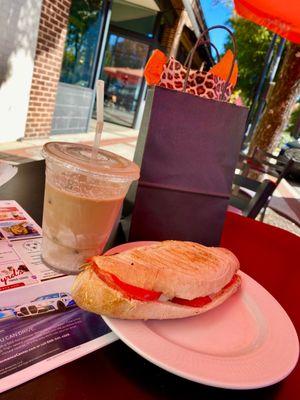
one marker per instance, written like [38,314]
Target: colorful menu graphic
[20,230]
[41,327]
[15,274]
[15,224]
[11,213]
[20,249]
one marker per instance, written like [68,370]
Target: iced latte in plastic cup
[82,202]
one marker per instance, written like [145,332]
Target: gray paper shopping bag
[187,148]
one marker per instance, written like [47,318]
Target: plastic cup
[82,202]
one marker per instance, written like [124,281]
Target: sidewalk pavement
[115,138]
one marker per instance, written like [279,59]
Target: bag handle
[199,42]
[203,43]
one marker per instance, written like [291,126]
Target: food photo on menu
[150,230]
[11,213]
[19,230]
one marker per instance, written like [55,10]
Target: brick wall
[168,37]
[47,66]
[169,32]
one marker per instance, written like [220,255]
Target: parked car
[292,150]
[6,313]
[45,304]
[294,144]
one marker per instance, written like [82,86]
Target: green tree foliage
[252,44]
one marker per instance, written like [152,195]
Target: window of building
[134,17]
[81,42]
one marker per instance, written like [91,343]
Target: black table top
[27,188]
[114,372]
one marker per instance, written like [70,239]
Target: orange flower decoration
[222,68]
[154,67]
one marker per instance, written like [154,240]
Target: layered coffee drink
[82,203]
[69,233]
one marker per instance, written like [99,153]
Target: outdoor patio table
[268,254]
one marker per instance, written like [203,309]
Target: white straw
[99,125]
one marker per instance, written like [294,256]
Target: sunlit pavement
[115,138]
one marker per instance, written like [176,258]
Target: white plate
[248,342]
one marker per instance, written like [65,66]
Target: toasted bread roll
[92,294]
[176,268]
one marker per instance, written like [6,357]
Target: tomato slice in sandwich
[137,293]
[233,280]
[128,290]
[202,301]
[197,302]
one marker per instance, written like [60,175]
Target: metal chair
[265,163]
[251,206]
[262,162]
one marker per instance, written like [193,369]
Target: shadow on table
[288,207]
[116,372]
[162,385]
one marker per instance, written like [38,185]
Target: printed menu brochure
[41,327]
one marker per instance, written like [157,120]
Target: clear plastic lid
[78,157]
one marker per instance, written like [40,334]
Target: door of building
[109,40]
[122,72]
